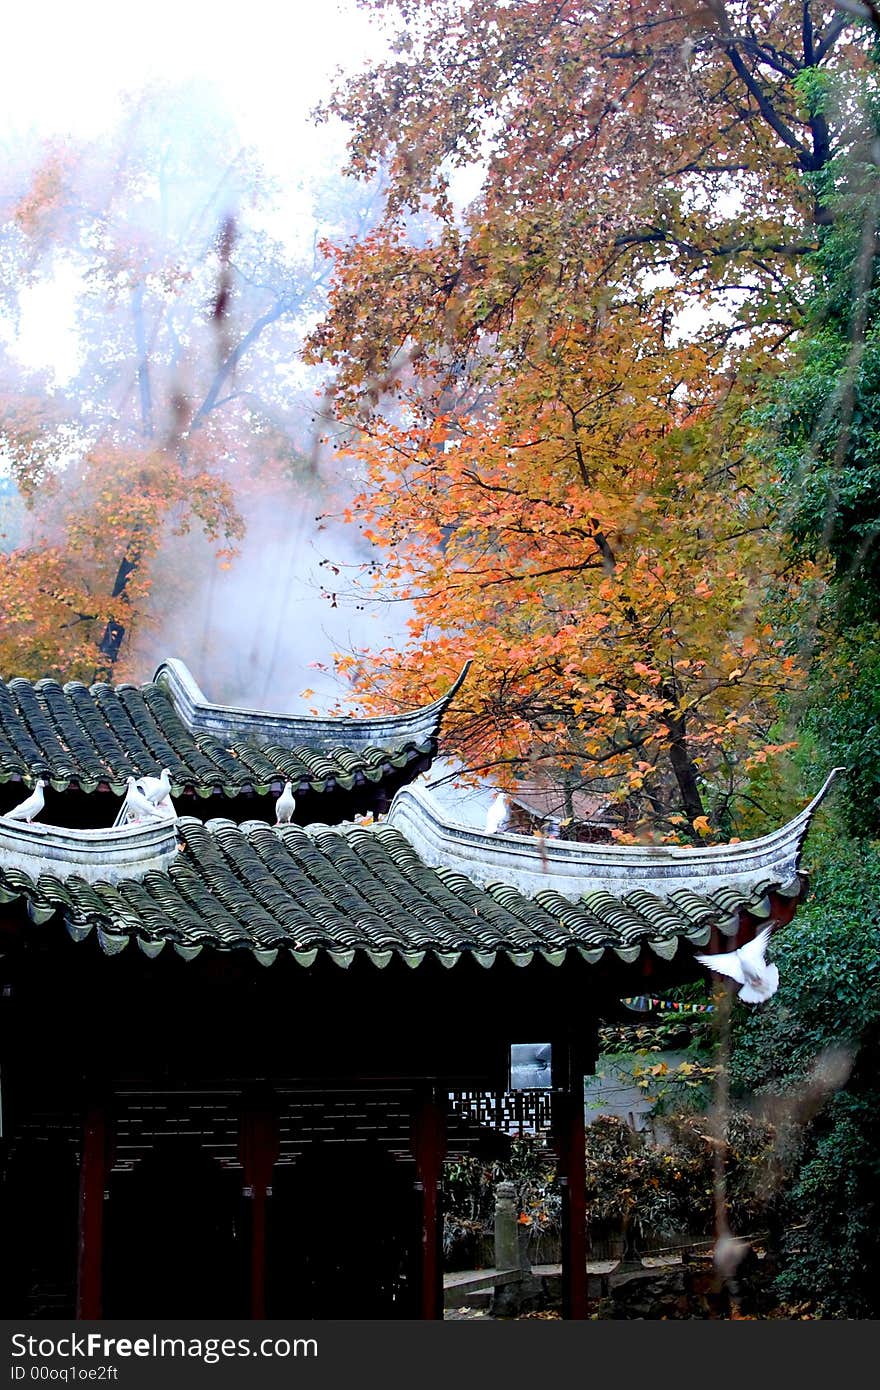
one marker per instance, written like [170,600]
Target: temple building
[228,1047]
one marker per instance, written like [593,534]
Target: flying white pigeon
[498,814]
[31,806]
[285,806]
[748,967]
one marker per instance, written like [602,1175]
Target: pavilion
[227,1047]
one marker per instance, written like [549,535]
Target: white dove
[285,806]
[497,814]
[31,806]
[748,967]
[137,807]
[156,789]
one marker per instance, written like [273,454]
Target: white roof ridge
[533,863]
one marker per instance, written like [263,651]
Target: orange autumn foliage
[552,387]
[612,602]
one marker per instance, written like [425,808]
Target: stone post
[512,1257]
[506,1236]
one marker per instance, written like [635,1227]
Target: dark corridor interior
[174,1244]
[341,1235]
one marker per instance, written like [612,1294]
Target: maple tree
[553,386]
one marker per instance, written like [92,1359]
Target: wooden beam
[93,1179]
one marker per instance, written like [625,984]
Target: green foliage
[823,424]
[821,440]
[829,968]
[845,718]
[469,1193]
[813,87]
[649,1191]
[835,1261]
[829,998]
[825,420]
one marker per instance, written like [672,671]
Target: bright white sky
[69,62]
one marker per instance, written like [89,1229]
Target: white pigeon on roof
[155,789]
[137,807]
[748,967]
[498,814]
[285,806]
[31,806]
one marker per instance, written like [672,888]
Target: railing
[512,1112]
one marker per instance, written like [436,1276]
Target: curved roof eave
[532,864]
[230,723]
[95,737]
[105,855]
[353,890]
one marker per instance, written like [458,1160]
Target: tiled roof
[357,889]
[97,736]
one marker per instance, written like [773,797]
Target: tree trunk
[680,758]
[114,633]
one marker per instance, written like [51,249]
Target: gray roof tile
[84,736]
[354,889]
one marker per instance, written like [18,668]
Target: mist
[161,283]
[263,632]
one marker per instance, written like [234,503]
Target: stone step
[458,1286]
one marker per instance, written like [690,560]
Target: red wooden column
[93,1173]
[429,1148]
[568,1122]
[570,1059]
[259,1151]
